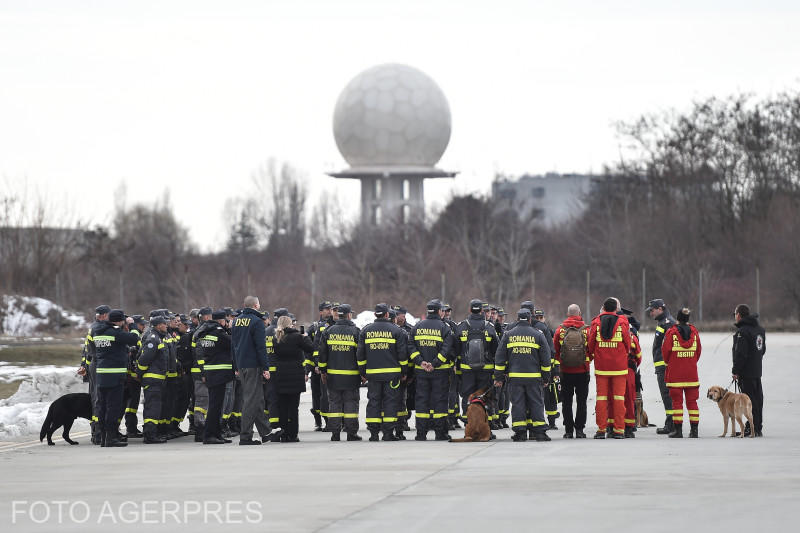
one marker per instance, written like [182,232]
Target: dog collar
[479,400]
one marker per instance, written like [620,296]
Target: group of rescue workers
[231,370]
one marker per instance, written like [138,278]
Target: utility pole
[444,280]
[700,296]
[758,291]
[121,289]
[313,289]
[588,290]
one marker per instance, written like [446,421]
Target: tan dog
[641,415]
[733,406]
[477,428]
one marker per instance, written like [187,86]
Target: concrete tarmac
[649,483]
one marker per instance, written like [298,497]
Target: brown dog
[733,406]
[477,428]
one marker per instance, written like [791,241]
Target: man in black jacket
[476,330]
[216,372]
[382,360]
[338,365]
[311,366]
[430,347]
[249,341]
[111,343]
[749,345]
[658,311]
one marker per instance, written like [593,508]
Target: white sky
[193,96]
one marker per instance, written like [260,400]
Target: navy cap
[433,305]
[501,311]
[538,312]
[194,312]
[344,309]
[335,306]
[229,311]
[524,314]
[219,314]
[626,312]
[116,315]
[475,305]
[484,306]
[527,304]
[102,309]
[325,305]
[279,312]
[657,302]
[156,320]
[446,307]
[205,311]
[392,313]
[381,309]
[399,309]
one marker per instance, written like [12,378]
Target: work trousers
[504,403]
[431,401]
[630,399]
[252,404]
[134,396]
[272,403]
[153,392]
[216,396]
[109,406]
[664,390]
[343,410]
[527,404]
[752,387]
[184,392]
[692,394]
[383,397]
[610,390]
[577,385]
[452,396]
[200,403]
[316,395]
[288,404]
[167,404]
[551,402]
[471,381]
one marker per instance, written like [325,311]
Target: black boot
[199,429]
[519,436]
[693,430]
[668,428]
[677,433]
[111,440]
[568,434]
[389,435]
[398,432]
[579,434]
[600,435]
[134,434]
[103,437]
[629,433]
[540,436]
[504,422]
[374,435]
[335,436]
[421,435]
[353,437]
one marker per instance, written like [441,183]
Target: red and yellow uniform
[634,358]
[609,345]
[681,350]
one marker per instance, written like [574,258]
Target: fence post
[758,291]
[700,295]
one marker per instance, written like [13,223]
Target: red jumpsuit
[630,383]
[610,356]
[681,356]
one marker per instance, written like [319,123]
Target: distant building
[552,198]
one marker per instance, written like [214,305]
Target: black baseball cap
[433,305]
[102,309]
[527,304]
[219,314]
[656,302]
[344,309]
[446,307]
[229,311]
[399,309]
[538,312]
[205,311]
[156,320]
[279,312]
[501,311]
[325,305]
[116,315]
[392,313]
[524,314]
[475,305]
[381,309]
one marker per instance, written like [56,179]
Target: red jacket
[610,354]
[558,339]
[636,351]
[681,357]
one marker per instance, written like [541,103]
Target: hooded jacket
[749,346]
[250,340]
[558,341]
[337,355]
[609,343]
[382,351]
[681,350]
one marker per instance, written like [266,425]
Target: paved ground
[649,483]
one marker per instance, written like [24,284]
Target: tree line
[699,201]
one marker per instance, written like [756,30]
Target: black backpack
[476,355]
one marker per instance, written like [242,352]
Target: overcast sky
[193,96]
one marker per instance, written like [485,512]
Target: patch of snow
[26,315]
[24,412]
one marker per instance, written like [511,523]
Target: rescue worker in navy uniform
[272,409]
[311,366]
[474,379]
[408,387]
[658,311]
[184,385]
[152,368]
[382,359]
[200,388]
[111,341]
[232,406]
[430,347]
[749,346]
[216,372]
[133,387]
[503,401]
[523,358]
[551,392]
[169,422]
[89,364]
[338,364]
[453,404]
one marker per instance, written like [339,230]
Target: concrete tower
[392,125]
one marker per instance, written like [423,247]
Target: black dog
[63,412]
